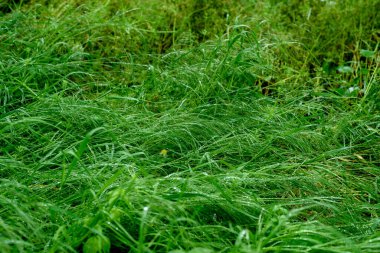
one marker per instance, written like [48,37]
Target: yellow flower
[164,152]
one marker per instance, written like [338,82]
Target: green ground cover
[189,126]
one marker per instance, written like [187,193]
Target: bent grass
[224,145]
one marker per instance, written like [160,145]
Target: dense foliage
[189,126]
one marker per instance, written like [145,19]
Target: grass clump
[189,126]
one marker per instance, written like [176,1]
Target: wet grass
[152,129]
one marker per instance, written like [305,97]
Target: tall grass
[145,127]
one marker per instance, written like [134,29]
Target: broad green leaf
[97,244]
[345,69]
[367,53]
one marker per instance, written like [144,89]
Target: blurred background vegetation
[322,41]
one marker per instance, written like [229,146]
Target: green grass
[269,112]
